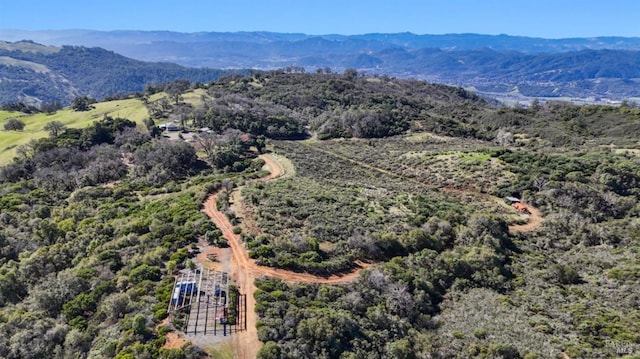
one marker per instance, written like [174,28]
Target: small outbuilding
[169,126]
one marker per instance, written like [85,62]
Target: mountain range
[591,69]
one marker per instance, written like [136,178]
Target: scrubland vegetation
[466,286]
[402,174]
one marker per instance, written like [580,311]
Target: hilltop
[293,105]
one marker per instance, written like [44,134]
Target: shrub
[480,333]
[565,274]
[145,272]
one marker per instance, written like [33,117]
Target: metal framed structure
[200,298]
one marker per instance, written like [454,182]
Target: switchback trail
[245,270]
[240,254]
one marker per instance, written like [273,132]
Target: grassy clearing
[474,157]
[194,97]
[627,151]
[444,163]
[132,109]
[425,136]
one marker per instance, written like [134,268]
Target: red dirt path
[534,219]
[245,270]
[241,256]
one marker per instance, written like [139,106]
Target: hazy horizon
[543,19]
[307,34]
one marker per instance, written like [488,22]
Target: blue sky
[537,18]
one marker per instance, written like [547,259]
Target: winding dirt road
[534,219]
[245,270]
[240,254]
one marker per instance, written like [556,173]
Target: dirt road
[241,256]
[534,219]
[244,270]
[533,222]
[275,168]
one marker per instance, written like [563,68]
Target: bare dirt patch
[534,220]
[213,258]
[174,341]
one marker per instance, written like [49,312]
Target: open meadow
[132,109]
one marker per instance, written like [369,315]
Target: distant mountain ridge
[35,74]
[111,40]
[503,65]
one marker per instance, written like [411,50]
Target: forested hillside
[406,177]
[38,74]
[349,104]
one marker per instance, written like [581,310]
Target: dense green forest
[405,175]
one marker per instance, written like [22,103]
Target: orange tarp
[519,206]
